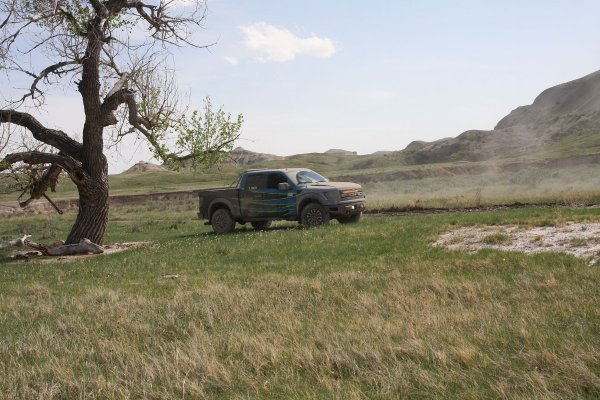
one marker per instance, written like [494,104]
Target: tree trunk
[92,218]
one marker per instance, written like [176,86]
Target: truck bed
[207,196]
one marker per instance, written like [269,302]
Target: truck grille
[352,194]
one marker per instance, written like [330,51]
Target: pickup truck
[294,194]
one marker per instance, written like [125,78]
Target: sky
[368,76]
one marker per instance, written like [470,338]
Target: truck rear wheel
[222,222]
[314,214]
[261,225]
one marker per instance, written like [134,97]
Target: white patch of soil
[579,239]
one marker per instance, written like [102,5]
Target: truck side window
[275,179]
[256,182]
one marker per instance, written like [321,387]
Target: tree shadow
[243,231]
[6,259]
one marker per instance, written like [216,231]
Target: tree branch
[218,149]
[98,6]
[73,167]
[52,69]
[39,187]
[8,16]
[49,179]
[54,138]
[121,84]
[112,101]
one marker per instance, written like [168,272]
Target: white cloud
[278,44]
[232,60]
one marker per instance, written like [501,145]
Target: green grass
[497,238]
[370,310]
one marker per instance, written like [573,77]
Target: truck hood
[335,185]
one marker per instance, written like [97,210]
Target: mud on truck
[260,197]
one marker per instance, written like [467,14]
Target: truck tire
[314,214]
[261,225]
[222,222]
[350,219]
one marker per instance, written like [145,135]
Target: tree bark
[92,218]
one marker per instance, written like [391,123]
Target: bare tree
[113,52]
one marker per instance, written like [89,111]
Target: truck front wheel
[314,214]
[222,222]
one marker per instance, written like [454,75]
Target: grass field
[346,311]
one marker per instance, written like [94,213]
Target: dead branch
[15,242]
[53,204]
[37,186]
[56,69]
[73,167]
[85,246]
[37,246]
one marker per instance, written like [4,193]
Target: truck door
[279,203]
[261,198]
[252,194]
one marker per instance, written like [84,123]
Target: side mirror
[284,186]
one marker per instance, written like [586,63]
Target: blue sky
[376,75]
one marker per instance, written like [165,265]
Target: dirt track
[397,211]
[42,206]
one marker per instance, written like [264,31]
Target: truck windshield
[309,177]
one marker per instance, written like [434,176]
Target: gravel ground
[579,239]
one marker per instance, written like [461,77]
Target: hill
[143,166]
[341,152]
[562,121]
[241,156]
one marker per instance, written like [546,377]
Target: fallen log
[16,242]
[26,256]
[85,246]
[38,246]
